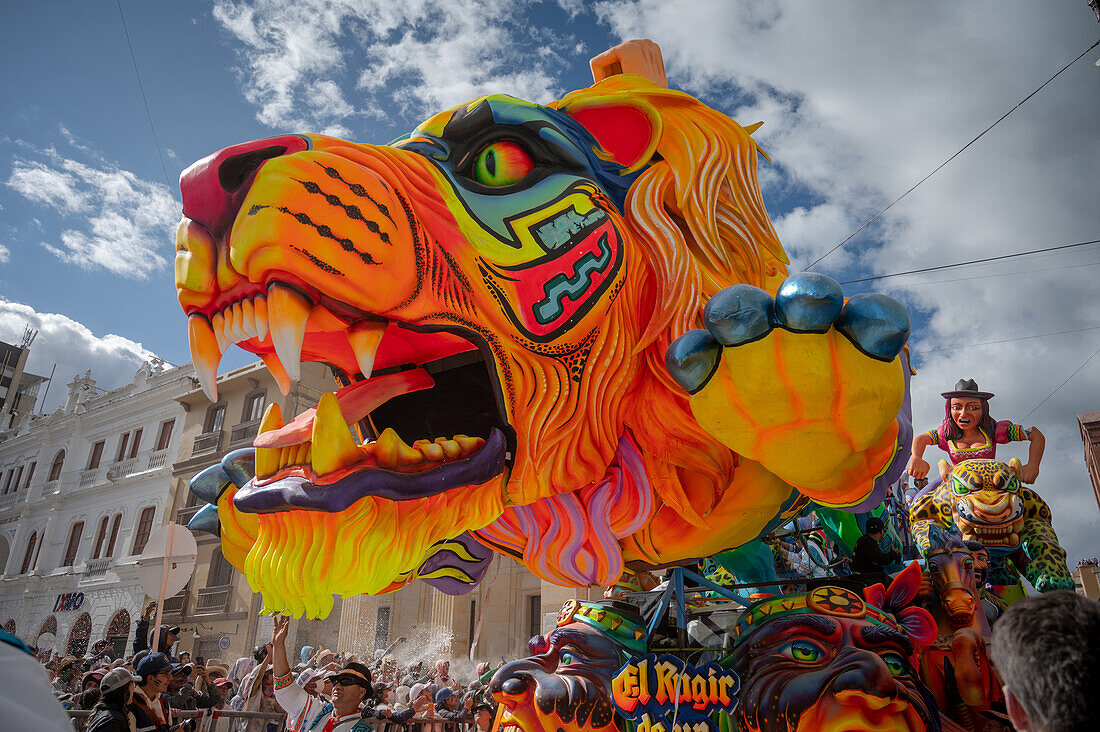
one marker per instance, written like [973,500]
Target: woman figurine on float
[969,433]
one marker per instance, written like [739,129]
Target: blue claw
[206,519]
[240,465]
[875,324]
[739,314]
[210,483]
[808,303]
[692,359]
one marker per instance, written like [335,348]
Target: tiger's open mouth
[435,384]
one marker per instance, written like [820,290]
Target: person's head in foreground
[117,688]
[351,685]
[1047,650]
[155,671]
[875,528]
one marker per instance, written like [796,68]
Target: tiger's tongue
[356,402]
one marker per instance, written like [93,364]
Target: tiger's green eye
[895,663]
[566,658]
[959,488]
[805,652]
[501,164]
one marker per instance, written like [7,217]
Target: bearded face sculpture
[566,683]
[830,660]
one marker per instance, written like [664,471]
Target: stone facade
[1090,436]
[92,484]
[218,612]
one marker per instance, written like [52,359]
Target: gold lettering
[625,688]
[724,683]
[666,681]
[643,681]
[699,692]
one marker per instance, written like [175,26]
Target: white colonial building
[81,490]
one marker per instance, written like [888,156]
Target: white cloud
[127,221]
[73,347]
[422,55]
[5,254]
[860,105]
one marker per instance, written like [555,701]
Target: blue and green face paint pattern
[536,186]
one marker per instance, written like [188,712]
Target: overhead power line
[1059,388]
[1017,273]
[972,261]
[148,114]
[957,154]
[923,351]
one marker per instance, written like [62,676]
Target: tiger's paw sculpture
[559,250]
[805,383]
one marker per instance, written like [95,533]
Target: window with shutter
[97,455]
[74,544]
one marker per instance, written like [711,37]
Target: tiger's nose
[214,187]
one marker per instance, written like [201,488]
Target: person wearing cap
[968,432]
[447,708]
[220,723]
[182,693]
[351,687]
[483,716]
[149,706]
[385,709]
[168,636]
[89,689]
[311,679]
[112,713]
[868,556]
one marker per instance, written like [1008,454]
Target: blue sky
[858,102]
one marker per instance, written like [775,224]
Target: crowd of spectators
[149,688]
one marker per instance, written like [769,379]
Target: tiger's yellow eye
[501,164]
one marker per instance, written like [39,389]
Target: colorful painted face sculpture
[829,660]
[566,683]
[563,247]
[985,500]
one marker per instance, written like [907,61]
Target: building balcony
[185,514]
[242,434]
[213,600]
[97,567]
[122,469]
[157,459]
[207,443]
[8,500]
[175,605]
[88,477]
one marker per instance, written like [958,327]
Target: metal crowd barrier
[206,722]
[259,721]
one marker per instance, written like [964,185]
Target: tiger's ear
[628,130]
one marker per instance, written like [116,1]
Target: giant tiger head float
[565,246]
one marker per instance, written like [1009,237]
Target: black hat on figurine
[967,389]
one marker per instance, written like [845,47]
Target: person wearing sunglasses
[351,686]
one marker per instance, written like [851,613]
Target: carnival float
[661,390]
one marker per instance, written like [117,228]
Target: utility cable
[148,114]
[957,154]
[1048,396]
[1004,340]
[1016,273]
[970,262]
